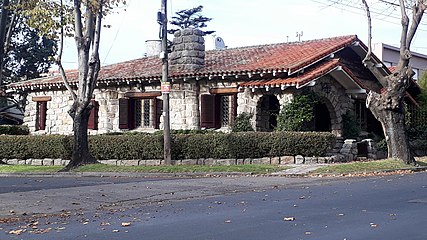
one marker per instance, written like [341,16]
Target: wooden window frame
[41,115]
[93,117]
[211,109]
[127,113]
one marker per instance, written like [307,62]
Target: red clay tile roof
[282,57]
[309,75]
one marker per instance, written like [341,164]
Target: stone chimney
[188,50]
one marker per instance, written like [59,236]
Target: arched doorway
[267,111]
[322,119]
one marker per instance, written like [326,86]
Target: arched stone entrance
[322,118]
[268,108]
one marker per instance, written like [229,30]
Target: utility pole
[165,84]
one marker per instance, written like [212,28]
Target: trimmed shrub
[14,130]
[351,128]
[138,146]
[184,146]
[24,147]
[242,123]
[298,115]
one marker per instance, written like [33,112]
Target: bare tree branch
[58,61]
[417,16]
[367,61]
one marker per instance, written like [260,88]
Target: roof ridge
[284,43]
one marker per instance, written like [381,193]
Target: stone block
[226,162]
[65,162]
[57,162]
[299,159]
[109,162]
[153,162]
[47,162]
[240,161]
[22,162]
[248,161]
[287,160]
[310,160]
[29,161]
[261,161]
[275,160]
[209,161]
[11,161]
[128,163]
[37,162]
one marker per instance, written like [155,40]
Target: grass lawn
[28,168]
[370,166]
[256,169]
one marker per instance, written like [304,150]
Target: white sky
[247,22]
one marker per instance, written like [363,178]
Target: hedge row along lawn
[184,146]
[255,169]
[368,166]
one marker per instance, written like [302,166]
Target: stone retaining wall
[203,161]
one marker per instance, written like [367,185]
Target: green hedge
[14,130]
[184,146]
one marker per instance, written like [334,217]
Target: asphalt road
[391,207]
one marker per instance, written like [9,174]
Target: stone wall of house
[250,102]
[184,106]
[336,100]
[57,119]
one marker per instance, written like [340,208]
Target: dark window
[93,117]
[124,113]
[217,110]
[137,112]
[41,115]
[147,112]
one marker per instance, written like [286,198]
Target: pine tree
[190,18]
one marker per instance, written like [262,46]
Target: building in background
[389,55]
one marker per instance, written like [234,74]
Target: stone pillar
[188,50]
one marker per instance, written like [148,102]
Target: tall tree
[27,55]
[86,18]
[190,18]
[388,106]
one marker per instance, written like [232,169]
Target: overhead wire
[117,32]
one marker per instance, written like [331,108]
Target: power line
[117,32]
[346,6]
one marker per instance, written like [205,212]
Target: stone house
[210,88]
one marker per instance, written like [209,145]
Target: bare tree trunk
[81,154]
[393,123]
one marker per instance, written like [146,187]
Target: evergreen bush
[242,123]
[14,130]
[299,114]
[184,146]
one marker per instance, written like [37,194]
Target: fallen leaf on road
[373,225]
[16,232]
[307,233]
[289,219]
[227,221]
[115,231]
[126,224]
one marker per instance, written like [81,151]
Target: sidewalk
[299,169]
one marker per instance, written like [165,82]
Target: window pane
[225,110]
[146,112]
